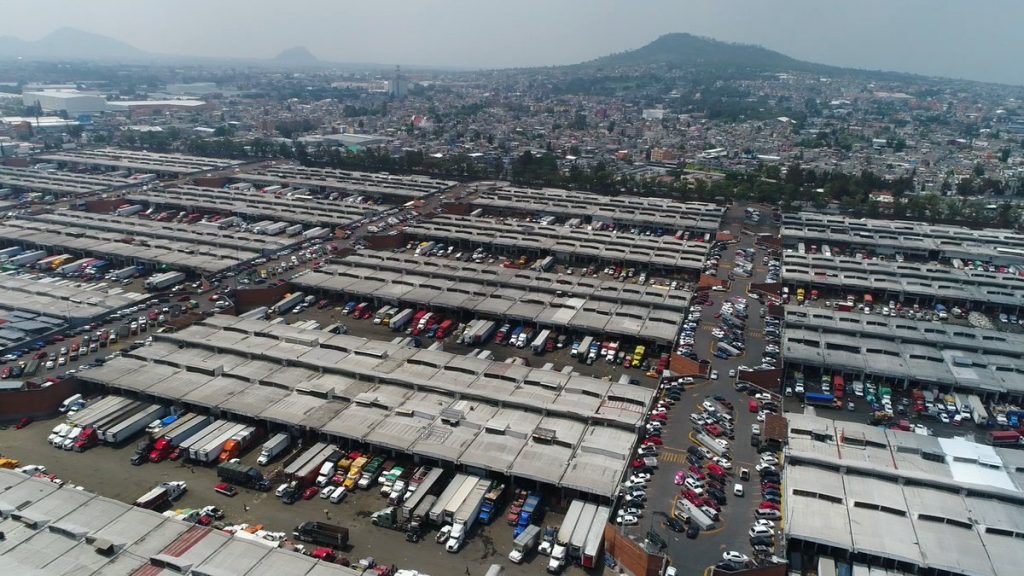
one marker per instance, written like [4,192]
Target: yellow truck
[9,463]
[354,472]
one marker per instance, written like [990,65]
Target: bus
[838,385]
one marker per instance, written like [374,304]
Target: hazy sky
[959,38]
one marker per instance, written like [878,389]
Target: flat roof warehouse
[903,500]
[460,410]
[168,164]
[52,530]
[59,183]
[255,203]
[325,179]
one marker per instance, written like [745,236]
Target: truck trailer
[162,494]
[271,448]
[212,428]
[172,436]
[284,305]
[208,453]
[562,540]
[27,258]
[124,273]
[322,534]
[466,515]
[436,513]
[98,410]
[164,280]
[128,428]
[242,475]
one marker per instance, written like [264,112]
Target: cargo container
[582,530]
[164,280]
[322,534]
[540,342]
[560,547]
[127,429]
[466,515]
[1004,438]
[275,229]
[115,418]
[591,557]
[430,485]
[293,230]
[239,442]
[200,438]
[316,233]
[98,410]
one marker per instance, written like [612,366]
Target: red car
[660,416]
[225,489]
[22,423]
[310,492]
[368,314]
[205,520]
[656,440]
[5,373]
[768,506]
[321,304]
[184,298]
[692,497]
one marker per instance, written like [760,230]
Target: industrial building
[390,188]
[132,241]
[897,500]
[912,240]
[906,282]
[696,217]
[52,529]
[570,245]
[59,184]
[903,352]
[73,102]
[135,161]
[556,429]
[255,204]
[568,303]
[73,301]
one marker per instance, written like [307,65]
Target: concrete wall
[251,298]
[36,402]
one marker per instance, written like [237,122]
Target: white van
[767,514]
[67,403]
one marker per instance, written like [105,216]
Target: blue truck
[819,399]
[530,509]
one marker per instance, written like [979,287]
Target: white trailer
[129,210]
[399,321]
[564,537]
[273,447]
[164,280]
[459,497]
[199,438]
[123,273]
[128,428]
[287,303]
[27,258]
[466,515]
[582,530]
[98,410]
[293,230]
[315,233]
[115,418]
[541,341]
[437,510]
[213,448]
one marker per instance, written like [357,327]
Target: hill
[297,55]
[72,44]
[687,50]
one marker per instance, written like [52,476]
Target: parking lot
[692,556]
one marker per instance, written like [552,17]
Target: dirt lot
[107,471]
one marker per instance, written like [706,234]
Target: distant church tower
[398,86]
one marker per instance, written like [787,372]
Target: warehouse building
[390,188]
[79,302]
[131,241]
[50,529]
[912,240]
[152,162]
[897,500]
[571,246]
[905,353]
[905,282]
[697,217]
[481,416]
[59,184]
[254,204]
[73,102]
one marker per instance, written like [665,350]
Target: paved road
[693,556]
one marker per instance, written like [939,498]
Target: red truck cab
[87,439]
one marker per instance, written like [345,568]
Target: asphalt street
[693,556]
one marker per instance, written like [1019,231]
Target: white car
[734,556]
[732,373]
[944,418]
[756,531]
[630,512]
[327,492]
[714,374]
[763,467]
[641,477]
[633,483]
[718,333]
[627,520]
[725,463]
[339,494]
[765,523]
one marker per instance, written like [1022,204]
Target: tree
[1004,154]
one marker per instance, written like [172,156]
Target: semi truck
[98,410]
[436,513]
[164,280]
[819,399]
[322,533]
[541,341]
[132,426]
[287,303]
[430,485]
[172,437]
[528,514]
[271,448]
[128,209]
[493,500]
[162,494]
[116,417]
[212,450]
[237,443]
[562,540]
[582,530]
[523,544]
[309,464]
[124,273]
[453,505]
[317,232]
[293,230]
[27,258]
[242,475]
[466,515]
